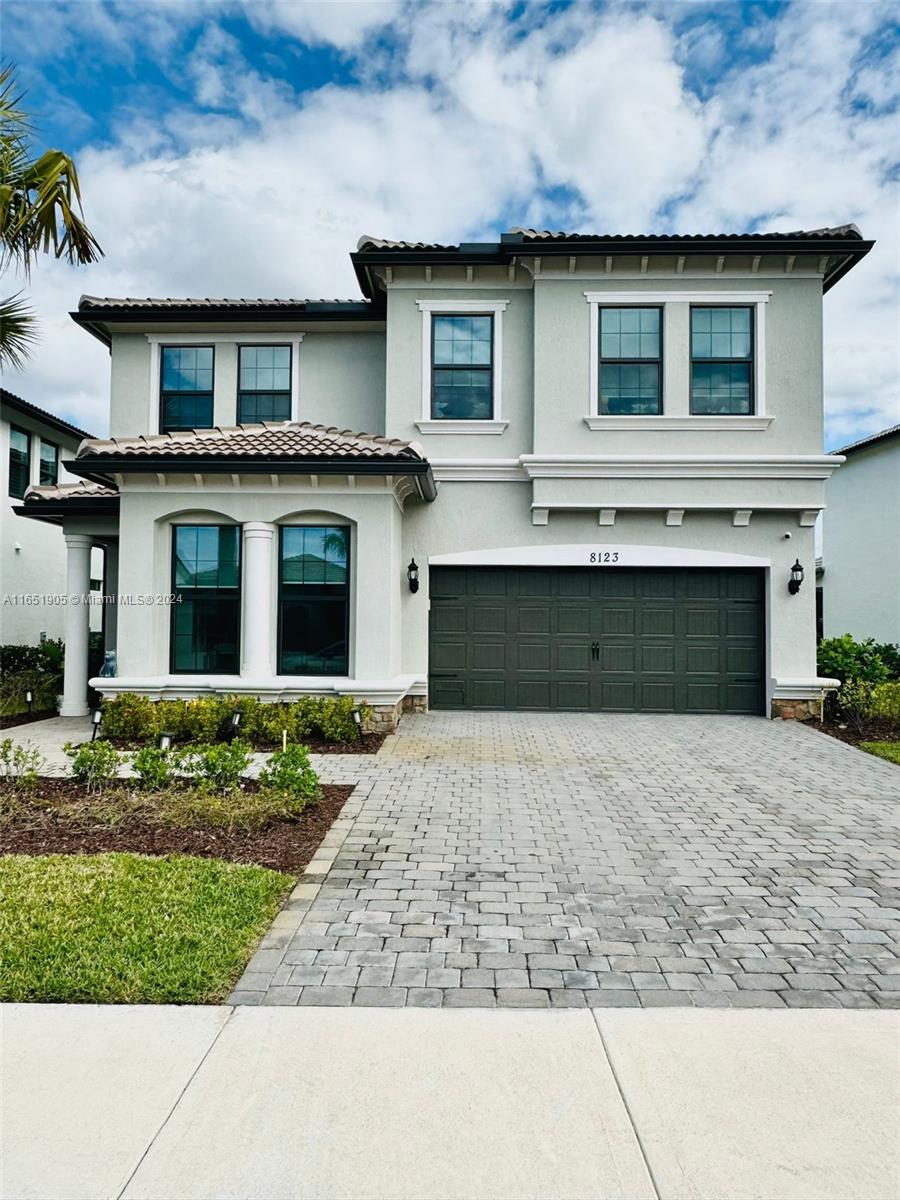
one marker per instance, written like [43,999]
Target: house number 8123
[604,556]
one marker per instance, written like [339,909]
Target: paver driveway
[563,860]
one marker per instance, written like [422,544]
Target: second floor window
[462,371]
[264,384]
[721,361]
[206,579]
[186,388]
[49,464]
[19,461]
[630,361]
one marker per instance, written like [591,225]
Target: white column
[256,601]
[77,624]
[110,588]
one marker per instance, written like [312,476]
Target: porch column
[110,588]
[77,624]
[256,643]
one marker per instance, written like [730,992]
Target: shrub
[153,767]
[20,764]
[886,701]
[854,702]
[335,720]
[218,766]
[844,658]
[202,719]
[890,656]
[47,658]
[94,763]
[291,772]
[129,717]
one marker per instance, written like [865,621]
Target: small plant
[854,702]
[95,764]
[219,767]
[844,658]
[130,718]
[886,701]
[291,772]
[20,764]
[153,767]
[889,653]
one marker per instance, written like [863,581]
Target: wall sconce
[412,574]
[96,718]
[796,578]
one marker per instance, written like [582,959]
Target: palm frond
[18,331]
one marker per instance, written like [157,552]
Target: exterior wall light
[796,578]
[412,574]
[96,718]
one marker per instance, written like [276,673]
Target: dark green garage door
[597,639]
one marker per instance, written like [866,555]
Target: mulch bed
[282,845]
[877,730]
[25,719]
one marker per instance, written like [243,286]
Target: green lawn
[888,750]
[125,929]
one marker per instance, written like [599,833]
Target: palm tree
[40,213]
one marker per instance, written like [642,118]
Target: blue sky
[241,149]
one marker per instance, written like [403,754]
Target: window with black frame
[19,462]
[630,361]
[206,615]
[49,464]
[186,388]
[721,361]
[462,371]
[264,384]
[314,600]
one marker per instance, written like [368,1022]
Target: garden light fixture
[796,578]
[29,700]
[96,718]
[412,574]
[165,741]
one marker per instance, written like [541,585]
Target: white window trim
[597,300]
[494,308]
[158,340]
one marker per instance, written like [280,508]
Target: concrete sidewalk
[276,1103]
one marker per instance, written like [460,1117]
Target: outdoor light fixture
[412,574]
[29,700]
[357,717]
[165,741]
[796,578]
[236,719]
[96,718]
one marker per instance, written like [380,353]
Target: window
[264,384]
[630,361]
[49,464]
[206,580]
[19,461]
[721,361]
[186,388]
[313,600]
[462,373]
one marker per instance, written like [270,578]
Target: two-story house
[588,482]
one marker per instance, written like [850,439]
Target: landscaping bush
[35,669]
[291,772]
[130,718]
[218,766]
[886,701]
[95,764]
[153,767]
[20,764]
[844,658]
[889,654]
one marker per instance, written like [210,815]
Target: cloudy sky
[231,148]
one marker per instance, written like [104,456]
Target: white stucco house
[34,446]
[861,541]
[589,467]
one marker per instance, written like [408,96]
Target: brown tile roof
[373,243]
[269,439]
[93,302]
[83,490]
[11,400]
[535,235]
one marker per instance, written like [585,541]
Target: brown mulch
[878,730]
[282,845]
[24,719]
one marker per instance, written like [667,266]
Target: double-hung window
[630,361]
[19,461]
[462,367]
[264,384]
[206,583]
[721,360]
[313,600]
[49,464]
[186,388]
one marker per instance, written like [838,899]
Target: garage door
[600,640]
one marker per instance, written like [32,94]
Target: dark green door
[597,640]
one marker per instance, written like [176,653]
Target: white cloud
[464,123]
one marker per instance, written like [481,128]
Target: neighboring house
[33,447]
[589,467]
[861,541]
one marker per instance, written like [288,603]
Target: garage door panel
[669,640]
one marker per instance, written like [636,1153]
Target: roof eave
[53,511]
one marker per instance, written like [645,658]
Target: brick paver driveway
[563,860]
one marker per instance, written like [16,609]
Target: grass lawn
[888,750]
[127,929]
